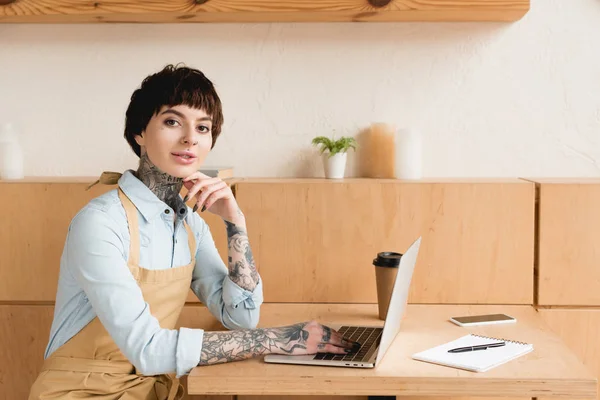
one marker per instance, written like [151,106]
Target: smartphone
[488,319]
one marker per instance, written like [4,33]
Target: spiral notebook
[476,361]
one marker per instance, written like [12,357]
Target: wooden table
[551,370]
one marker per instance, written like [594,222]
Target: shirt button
[167,211]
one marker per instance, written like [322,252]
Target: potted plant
[334,154]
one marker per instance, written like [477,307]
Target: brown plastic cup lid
[388,259]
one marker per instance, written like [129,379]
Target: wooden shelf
[74,11]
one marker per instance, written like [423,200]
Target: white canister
[335,166]
[408,161]
[11,154]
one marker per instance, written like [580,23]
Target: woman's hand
[311,338]
[214,195]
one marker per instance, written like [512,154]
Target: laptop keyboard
[368,338]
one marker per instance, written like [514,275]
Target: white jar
[409,152]
[11,154]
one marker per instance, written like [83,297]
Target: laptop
[375,341]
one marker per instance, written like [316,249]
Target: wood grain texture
[291,397]
[580,330]
[569,248]
[24,332]
[457,398]
[72,11]
[35,219]
[315,241]
[551,369]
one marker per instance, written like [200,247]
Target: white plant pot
[334,166]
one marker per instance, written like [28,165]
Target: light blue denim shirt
[94,280]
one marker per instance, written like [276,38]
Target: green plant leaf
[324,142]
[333,146]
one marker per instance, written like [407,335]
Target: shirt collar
[144,199]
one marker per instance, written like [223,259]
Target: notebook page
[478,361]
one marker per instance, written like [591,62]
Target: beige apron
[90,365]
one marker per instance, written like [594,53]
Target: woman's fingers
[329,348]
[195,176]
[333,342]
[208,190]
[336,338]
[221,193]
[339,340]
[192,180]
[198,186]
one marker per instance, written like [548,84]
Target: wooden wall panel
[24,332]
[314,240]
[580,330]
[35,218]
[569,253]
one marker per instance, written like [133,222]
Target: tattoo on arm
[220,347]
[242,269]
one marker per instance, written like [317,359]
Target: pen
[473,348]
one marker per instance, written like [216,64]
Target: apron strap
[134,232]
[107,178]
[191,241]
[175,385]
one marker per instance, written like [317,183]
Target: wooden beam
[107,11]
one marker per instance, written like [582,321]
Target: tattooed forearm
[242,269]
[220,347]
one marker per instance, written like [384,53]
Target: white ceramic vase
[11,155]
[334,166]
[409,152]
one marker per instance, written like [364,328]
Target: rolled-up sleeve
[234,306]
[96,259]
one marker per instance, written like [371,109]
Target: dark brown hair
[174,85]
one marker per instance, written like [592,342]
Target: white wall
[492,99]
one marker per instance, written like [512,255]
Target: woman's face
[177,140]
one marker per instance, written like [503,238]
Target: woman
[132,254]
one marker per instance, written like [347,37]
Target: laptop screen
[399,299]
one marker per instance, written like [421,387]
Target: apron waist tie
[88,365]
[103,366]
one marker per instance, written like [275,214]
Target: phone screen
[482,318]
